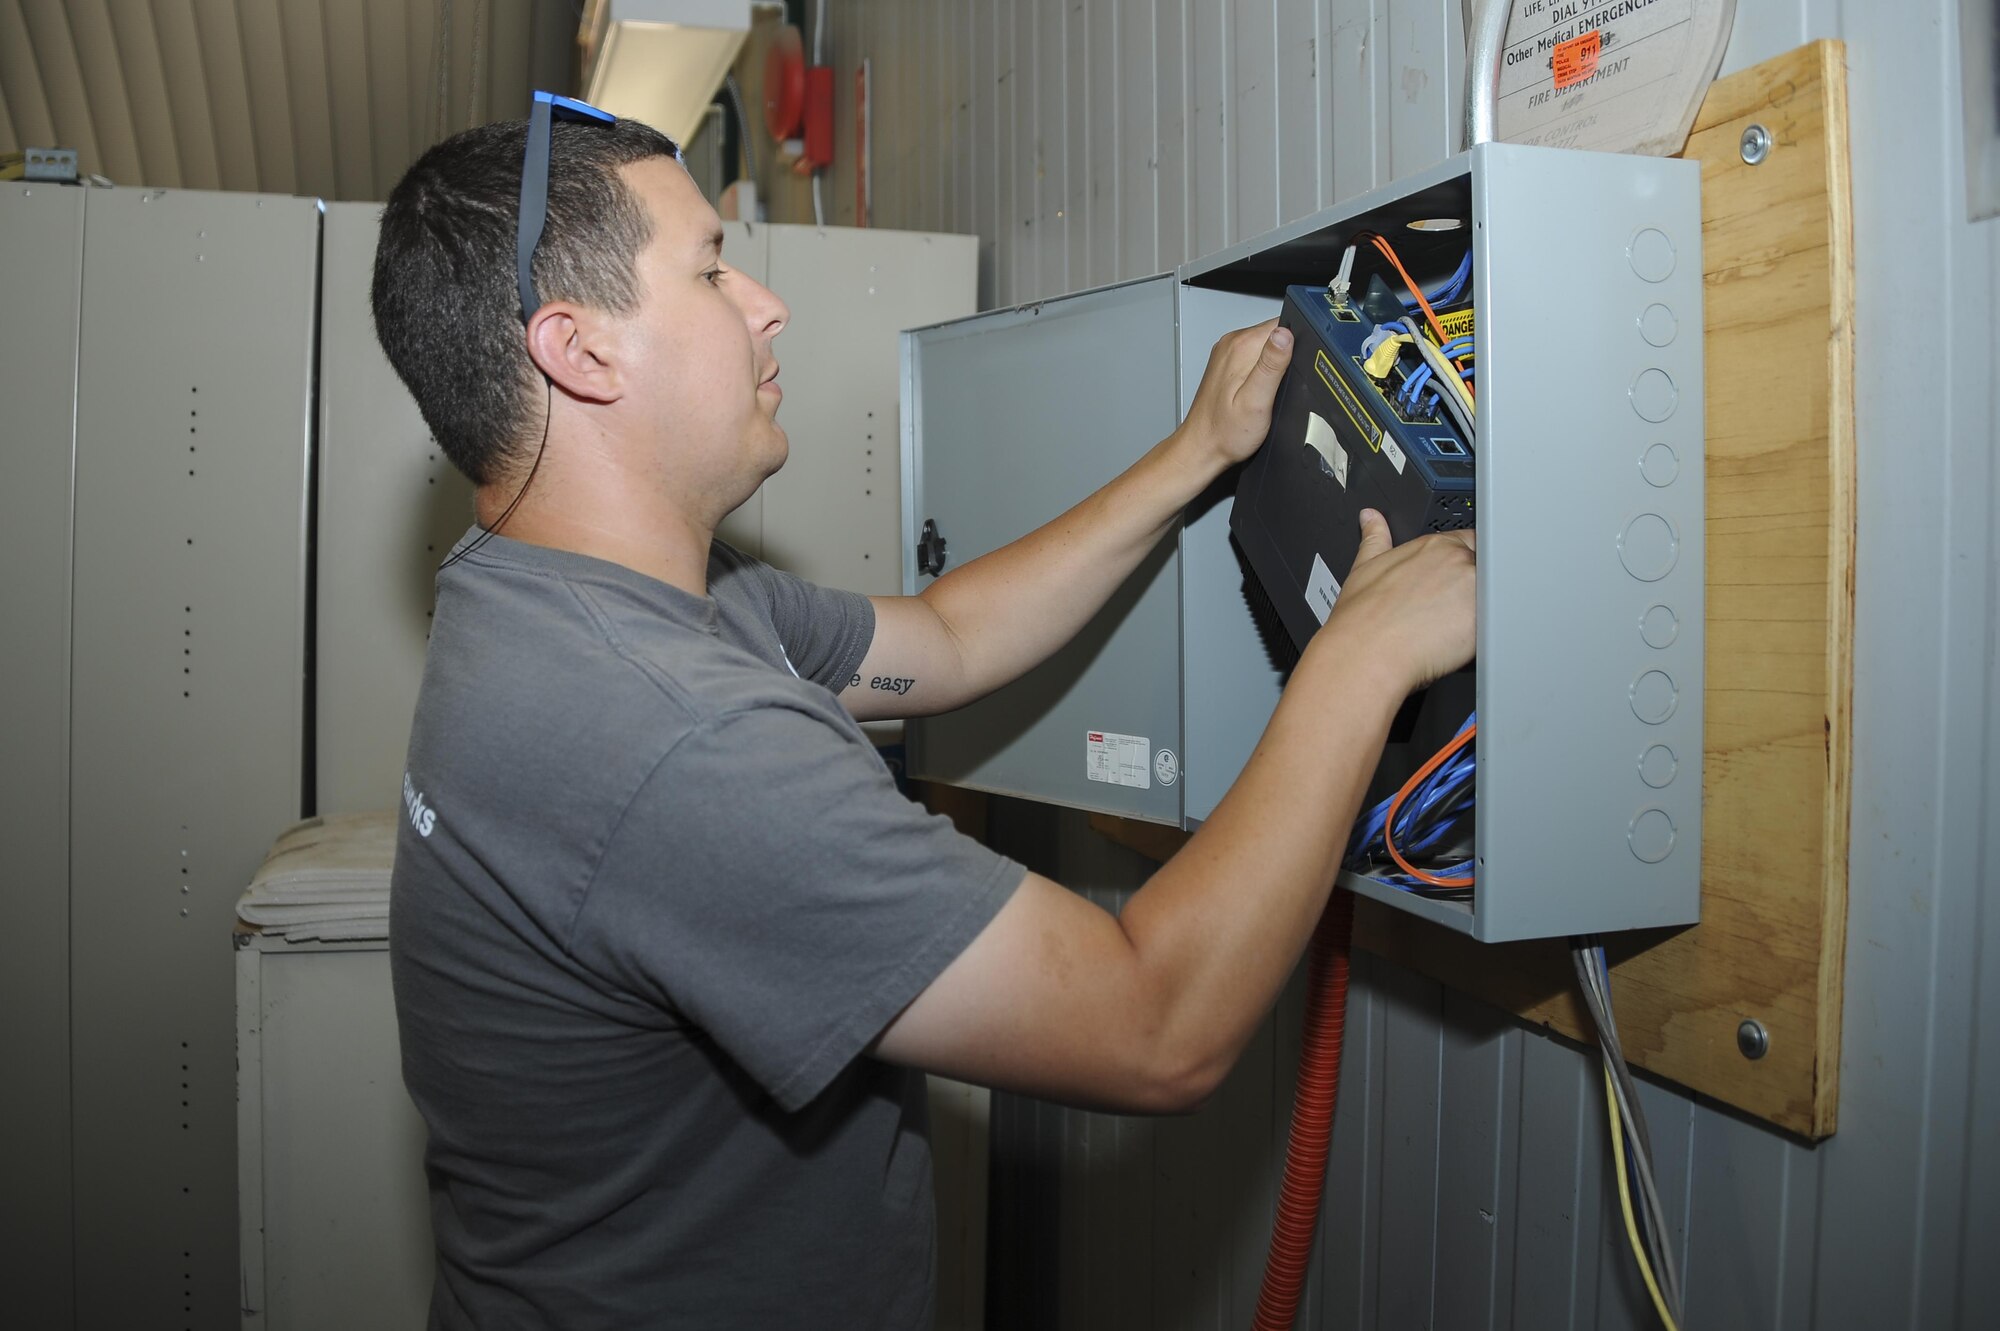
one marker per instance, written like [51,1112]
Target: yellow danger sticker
[1456,324]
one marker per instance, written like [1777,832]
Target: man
[670,951]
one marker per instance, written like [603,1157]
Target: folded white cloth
[289,913]
[326,879]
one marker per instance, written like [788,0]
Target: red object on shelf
[819,116]
[785,84]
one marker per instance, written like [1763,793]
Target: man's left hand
[1231,414]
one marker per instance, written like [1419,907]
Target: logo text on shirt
[422,816]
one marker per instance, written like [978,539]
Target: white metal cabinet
[334,1213]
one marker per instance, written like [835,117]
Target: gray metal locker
[193,423]
[41,247]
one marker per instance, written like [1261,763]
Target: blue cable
[1408,396]
[1463,274]
[1438,805]
[1453,288]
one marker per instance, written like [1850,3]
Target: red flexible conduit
[1312,1119]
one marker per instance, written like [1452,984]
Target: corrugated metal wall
[1090,142]
[316,97]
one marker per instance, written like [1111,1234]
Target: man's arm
[1148,1011]
[989,622]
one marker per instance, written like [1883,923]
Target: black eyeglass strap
[535,184]
[534,203]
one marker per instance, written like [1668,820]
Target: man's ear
[573,347]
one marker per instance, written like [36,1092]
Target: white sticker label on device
[1120,760]
[1393,453]
[1322,588]
[1322,440]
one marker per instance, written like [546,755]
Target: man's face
[704,379]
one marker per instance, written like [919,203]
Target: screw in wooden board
[1752,1041]
[1756,144]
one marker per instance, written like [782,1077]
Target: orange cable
[1389,253]
[1458,742]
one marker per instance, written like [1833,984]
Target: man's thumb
[1375,539]
[1277,352]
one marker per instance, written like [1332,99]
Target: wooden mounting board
[1777,251]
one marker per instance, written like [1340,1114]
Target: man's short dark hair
[447,308]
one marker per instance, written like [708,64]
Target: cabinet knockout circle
[1651,835]
[1658,766]
[1654,396]
[1649,547]
[1659,626]
[1660,465]
[1652,255]
[1654,697]
[1658,325]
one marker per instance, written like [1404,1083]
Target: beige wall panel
[307,78]
[102,102]
[189,123]
[24,111]
[267,79]
[138,54]
[228,94]
[350,88]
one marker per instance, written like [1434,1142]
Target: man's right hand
[1147,1011]
[1411,603]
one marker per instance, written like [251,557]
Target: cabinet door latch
[931,549]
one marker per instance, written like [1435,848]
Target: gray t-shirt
[653,896]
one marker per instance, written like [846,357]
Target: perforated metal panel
[193,422]
[390,507]
[832,513]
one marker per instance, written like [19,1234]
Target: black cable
[486,534]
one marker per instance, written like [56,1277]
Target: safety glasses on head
[535,183]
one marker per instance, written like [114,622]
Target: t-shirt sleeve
[770,884]
[825,632]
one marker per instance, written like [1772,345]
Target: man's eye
[712,275]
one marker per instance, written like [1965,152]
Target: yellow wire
[1625,1201]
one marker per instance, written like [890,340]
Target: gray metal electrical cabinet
[1009,419]
[1586,279]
